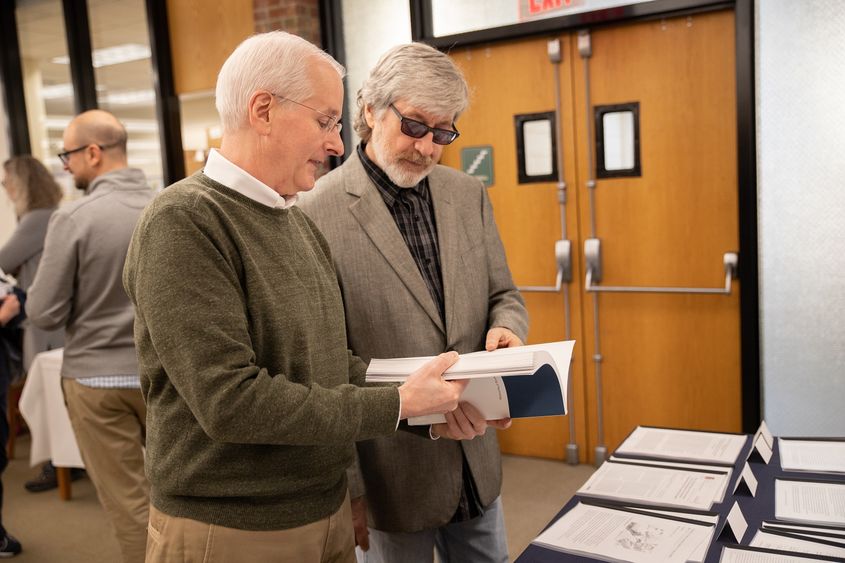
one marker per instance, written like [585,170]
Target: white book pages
[810,502]
[817,456]
[737,554]
[655,485]
[467,366]
[617,535]
[704,517]
[728,471]
[679,464]
[504,361]
[770,540]
[523,382]
[686,445]
[800,528]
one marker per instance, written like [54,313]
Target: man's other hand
[465,423]
[359,522]
[501,337]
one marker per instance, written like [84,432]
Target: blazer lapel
[372,214]
[449,237]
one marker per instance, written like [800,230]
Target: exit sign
[531,8]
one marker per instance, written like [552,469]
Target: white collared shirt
[222,171]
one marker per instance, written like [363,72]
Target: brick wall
[301,17]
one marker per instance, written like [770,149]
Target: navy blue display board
[755,509]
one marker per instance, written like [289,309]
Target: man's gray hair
[275,61]
[418,74]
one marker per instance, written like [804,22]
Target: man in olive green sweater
[253,400]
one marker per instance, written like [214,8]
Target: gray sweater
[253,400]
[20,257]
[78,285]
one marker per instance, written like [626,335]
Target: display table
[755,509]
[42,405]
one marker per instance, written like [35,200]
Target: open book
[519,382]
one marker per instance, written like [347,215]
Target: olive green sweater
[253,400]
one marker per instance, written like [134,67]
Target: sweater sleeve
[50,298]
[24,243]
[192,322]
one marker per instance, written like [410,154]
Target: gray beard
[403,178]
[397,174]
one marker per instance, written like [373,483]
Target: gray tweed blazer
[412,482]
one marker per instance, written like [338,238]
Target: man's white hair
[417,73]
[276,61]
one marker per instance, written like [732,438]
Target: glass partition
[46,81]
[124,76]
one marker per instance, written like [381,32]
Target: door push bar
[592,256]
[563,259]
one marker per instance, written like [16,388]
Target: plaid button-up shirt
[413,212]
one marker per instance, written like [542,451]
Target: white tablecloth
[43,406]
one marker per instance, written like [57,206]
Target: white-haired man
[254,401]
[423,270]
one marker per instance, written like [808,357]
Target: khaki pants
[110,428]
[172,539]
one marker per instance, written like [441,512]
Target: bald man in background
[78,286]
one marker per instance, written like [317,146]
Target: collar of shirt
[222,171]
[390,192]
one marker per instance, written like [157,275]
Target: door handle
[592,256]
[563,259]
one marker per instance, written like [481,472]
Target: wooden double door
[668,359]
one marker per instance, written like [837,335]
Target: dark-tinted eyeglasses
[418,129]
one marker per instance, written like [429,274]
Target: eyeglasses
[326,126]
[65,156]
[418,129]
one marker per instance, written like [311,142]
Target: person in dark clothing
[10,318]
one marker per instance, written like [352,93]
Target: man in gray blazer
[422,270]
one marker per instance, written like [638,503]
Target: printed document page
[683,445]
[810,501]
[720,496]
[770,540]
[818,456]
[656,485]
[745,554]
[617,535]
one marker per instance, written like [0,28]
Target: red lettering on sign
[538,6]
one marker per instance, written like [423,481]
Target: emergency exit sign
[478,162]
[537,7]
